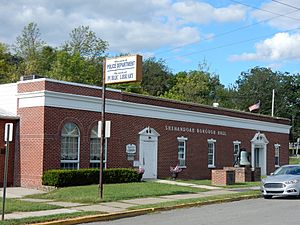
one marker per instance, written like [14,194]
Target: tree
[198,86]
[80,59]
[86,43]
[157,78]
[28,46]
[258,84]
[74,68]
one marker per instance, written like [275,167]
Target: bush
[64,178]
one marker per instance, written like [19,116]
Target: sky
[229,36]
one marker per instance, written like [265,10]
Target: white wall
[8,98]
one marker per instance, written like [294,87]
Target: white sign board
[123,69]
[131,149]
[107,129]
[8,134]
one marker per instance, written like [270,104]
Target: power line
[236,29]
[283,3]
[229,44]
[264,10]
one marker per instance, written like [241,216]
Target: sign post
[116,70]
[8,135]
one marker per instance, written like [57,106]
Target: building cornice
[89,103]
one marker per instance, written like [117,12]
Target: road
[246,212]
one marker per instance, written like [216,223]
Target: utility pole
[102,142]
[273,101]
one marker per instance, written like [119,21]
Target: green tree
[28,46]
[74,68]
[9,71]
[258,84]
[198,86]
[86,43]
[80,59]
[47,59]
[157,78]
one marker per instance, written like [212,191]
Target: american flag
[254,107]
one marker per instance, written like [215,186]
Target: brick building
[57,128]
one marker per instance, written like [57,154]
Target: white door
[259,152]
[149,159]
[148,152]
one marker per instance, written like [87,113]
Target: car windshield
[290,170]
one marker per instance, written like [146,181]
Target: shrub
[64,178]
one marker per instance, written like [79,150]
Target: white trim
[8,98]
[260,141]
[277,147]
[183,140]
[144,138]
[89,103]
[212,141]
[66,83]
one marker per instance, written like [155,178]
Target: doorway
[148,148]
[259,152]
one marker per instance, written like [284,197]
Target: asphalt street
[246,212]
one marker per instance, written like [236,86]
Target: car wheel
[268,196]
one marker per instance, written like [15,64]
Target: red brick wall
[31,146]
[11,162]
[125,131]
[41,129]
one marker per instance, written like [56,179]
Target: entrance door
[149,157]
[148,152]
[259,152]
[257,158]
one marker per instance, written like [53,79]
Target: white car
[285,181]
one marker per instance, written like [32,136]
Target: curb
[139,212]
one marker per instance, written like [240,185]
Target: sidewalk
[106,207]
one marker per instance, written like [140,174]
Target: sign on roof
[123,69]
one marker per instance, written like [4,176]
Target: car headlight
[295,181]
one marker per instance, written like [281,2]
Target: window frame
[181,150]
[94,136]
[236,153]
[277,155]
[63,136]
[213,154]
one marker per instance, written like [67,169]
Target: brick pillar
[222,177]
[242,174]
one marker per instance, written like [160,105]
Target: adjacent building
[56,126]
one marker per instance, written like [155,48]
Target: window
[277,152]
[70,139]
[236,151]
[211,152]
[181,151]
[95,145]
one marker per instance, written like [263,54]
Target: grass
[115,192]
[112,192]
[208,183]
[294,160]
[15,205]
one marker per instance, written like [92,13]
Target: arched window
[70,142]
[95,149]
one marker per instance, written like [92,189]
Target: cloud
[200,12]
[127,25]
[284,16]
[282,46]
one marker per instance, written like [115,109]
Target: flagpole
[273,98]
